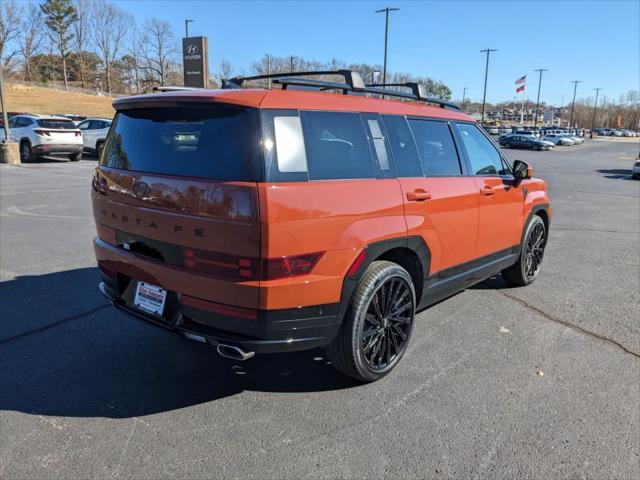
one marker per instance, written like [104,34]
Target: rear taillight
[43,133]
[282,267]
[248,268]
[106,234]
[220,264]
[78,133]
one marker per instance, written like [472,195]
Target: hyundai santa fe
[274,220]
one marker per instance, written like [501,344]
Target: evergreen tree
[59,17]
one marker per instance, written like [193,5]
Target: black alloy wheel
[534,251]
[387,323]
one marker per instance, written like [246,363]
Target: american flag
[520,89]
[521,80]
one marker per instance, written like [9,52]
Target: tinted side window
[435,145]
[403,146]
[13,122]
[483,157]
[337,146]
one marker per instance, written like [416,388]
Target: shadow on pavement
[616,173]
[106,364]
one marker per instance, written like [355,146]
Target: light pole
[186,27]
[268,70]
[595,108]
[386,11]
[464,95]
[535,121]
[291,63]
[573,103]
[486,73]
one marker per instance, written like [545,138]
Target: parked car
[45,136]
[263,221]
[576,140]
[492,130]
[94,133]
[558,139]
[524,141]
[635,172]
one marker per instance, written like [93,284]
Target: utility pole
[573,104]
[291,63]
[386,11]
[186,27]
[269,70]
[535,121]
[3,105]
[464,95]
[486,73]
[595,107]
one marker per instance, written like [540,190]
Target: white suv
[94,133]
[45,136]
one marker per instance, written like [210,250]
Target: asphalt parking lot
[537,382]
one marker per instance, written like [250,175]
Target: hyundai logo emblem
[140,189]
[192,49]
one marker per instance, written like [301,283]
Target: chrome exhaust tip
[233,352]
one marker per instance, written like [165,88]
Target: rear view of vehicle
[42,136]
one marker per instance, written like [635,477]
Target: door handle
[487,190]
[418,195]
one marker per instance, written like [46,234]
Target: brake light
[78,133]
[283,267]
[106,234]
[220,264]
[43,133]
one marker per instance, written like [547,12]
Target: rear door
[178,184]
[501,199]
[441,203]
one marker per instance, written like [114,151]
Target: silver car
[558,139]
[94,133]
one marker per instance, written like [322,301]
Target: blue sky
[597,42]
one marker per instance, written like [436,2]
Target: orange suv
[270,220]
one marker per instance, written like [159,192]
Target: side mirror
[522,170]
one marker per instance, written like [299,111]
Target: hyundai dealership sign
[194,61]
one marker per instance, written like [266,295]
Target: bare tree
[10,12]
[159,49]
[81,36]
[31,37]
[109,25]
[132,59]
[225,70]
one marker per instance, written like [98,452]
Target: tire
[99,149]
[75,157]
[635,176]
[507,145]
[26,152]
[526,269]
[370,343]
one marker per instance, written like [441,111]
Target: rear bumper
[270,331]
[56,150]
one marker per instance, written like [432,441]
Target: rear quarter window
[337,146]
[220,142]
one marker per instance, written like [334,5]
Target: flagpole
[522,109]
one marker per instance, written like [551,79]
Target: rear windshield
[220,142]
[55,123]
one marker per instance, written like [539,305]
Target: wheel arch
[542,211]
[411,253]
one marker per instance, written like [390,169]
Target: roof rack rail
[352,79]
[419,90]
[168,88]
[353,83]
